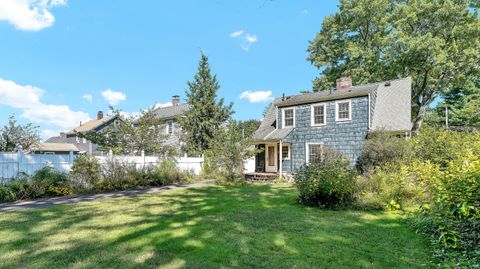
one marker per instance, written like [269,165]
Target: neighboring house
[296,129]
[169,115]
[84,145]
[55,148]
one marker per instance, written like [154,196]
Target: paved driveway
[92,197]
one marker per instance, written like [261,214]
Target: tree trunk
[417,124]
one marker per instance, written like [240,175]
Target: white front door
[271,158]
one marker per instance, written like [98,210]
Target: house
[169,115]
[55,148]
[297,129]
[83,145]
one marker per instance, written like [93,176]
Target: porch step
[261,176]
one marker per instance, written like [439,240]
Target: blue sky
[63,60]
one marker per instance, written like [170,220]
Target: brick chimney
[175,100]
[344,83]
[99,115]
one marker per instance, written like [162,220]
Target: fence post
[143,159]
[19,159]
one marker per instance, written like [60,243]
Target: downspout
[369,111]
[280,159]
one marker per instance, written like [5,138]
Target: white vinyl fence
[14,164]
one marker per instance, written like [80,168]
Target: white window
[288,117]
[84,140]
[343,110]
[319,115]
[314,152]
[169,127]
[77,139]
[286,152]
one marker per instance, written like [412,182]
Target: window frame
[169,130]
[312,114]
[288,151]
[283,117]
[307,150]
[337,103]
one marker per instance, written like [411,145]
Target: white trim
[349,101]
[312,111]
[289,152]
[283,117]
[307,144]
[369,110]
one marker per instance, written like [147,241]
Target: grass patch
[259,226]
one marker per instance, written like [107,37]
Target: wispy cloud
[247,39]
[27,99]
[88,98]
[113,97]
[305,12]
[257,96]
[236,34]
[29,15]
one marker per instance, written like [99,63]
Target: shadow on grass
[258,226]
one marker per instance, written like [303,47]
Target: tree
[248,127]
[227,155]
[132,135]
[436,42]
[13,135]
[206,115]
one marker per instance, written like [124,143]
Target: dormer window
[288,117]
[343,110]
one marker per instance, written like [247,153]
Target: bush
[85,172]
[49,182]
[166,173]
[328,183]
[382,148]
[117,175]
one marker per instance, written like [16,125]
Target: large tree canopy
[14,134]
[206,115]
[436,42]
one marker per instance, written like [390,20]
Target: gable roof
[172,111]
[55,147]
[90,125]
[391,107]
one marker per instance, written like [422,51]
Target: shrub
[6,194]
[85,172]
[117,175]
[382,148]
[49,182]
[328,183]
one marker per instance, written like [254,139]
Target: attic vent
[388,83]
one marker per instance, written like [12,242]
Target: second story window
[169,127]
[343,110]
[288,117]
[319,115]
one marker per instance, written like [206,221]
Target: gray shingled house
[296,129]
[84,145]
[170,115]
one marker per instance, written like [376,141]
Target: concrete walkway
[92,197]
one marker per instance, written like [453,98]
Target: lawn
[254,226]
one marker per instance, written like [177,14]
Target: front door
[271,159]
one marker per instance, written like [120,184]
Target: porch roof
[276,135]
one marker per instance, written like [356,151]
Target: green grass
[255,226]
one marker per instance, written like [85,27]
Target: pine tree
[206,114]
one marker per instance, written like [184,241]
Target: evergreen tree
[206,114]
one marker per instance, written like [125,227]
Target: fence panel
[8,166]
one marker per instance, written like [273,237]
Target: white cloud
[27,99]
[29,15]
[113,97]
[236,34]
[305,11]
[88,98]
[257,96]
[247,39]
[47,133]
